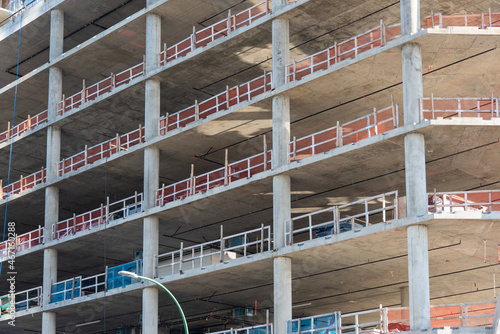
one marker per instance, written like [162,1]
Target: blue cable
[11,142]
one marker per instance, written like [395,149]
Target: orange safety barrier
[379,36]
[23,184]
[102,150]
[217,103]
[245,168]
[215,31]
[485,108]
[351,132]
[24,126]
[458,315]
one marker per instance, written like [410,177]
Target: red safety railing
[245,168]
[217,103]
[100,88]
[106,213]
[103,150]
[199,39]
[479,200]
[23,127]
[23,184]
[370,125]
[485,108]
[454,315]
[379,36]
[21,242]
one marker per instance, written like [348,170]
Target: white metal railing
[24,126]
[378,122]
[223,249]
[67,289]
[106,213]
[457,201]
[102,150]
[27,299]
[24,183]
[21,242]
[329,323]
[342,218]
[364,321]
[260,329]
[220,102]
[485,108]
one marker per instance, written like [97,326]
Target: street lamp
[135,276]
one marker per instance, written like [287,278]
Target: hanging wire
[11,142]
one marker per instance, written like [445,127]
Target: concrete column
[53,157]
[281,208]
[151,173]
[281,53]
[282,293]
[405,297]
[48,322]
[153,41]
[418,276]
[410,16]
[412,82]
[416,192]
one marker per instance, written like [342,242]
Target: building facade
[286,166]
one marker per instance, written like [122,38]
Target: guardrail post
[191,181]
[375,120]
[197,110]
[107,210]
[8,130]
[21,185]
[226,169]
[84,93]
[264,142]
[74,223]
[339,134]
[64,104]
[193,39]
[222,244]
[180,257]
[336,219]
[228,22]
[28,122]
[267,7]
[106,279]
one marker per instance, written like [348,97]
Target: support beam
[48,322]
[418,277]
[153,41]
[282,293]
[150,310]
[281,53]
[416,192]
[281,208]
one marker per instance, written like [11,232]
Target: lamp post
[135,276]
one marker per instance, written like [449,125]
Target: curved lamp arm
[135,276]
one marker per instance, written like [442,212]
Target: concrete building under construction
[281,166]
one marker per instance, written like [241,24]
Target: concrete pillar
[281,183]
[410,16]
[416,192]
[418,276]
[412,82]
[282,293]
[151,173]
[53,157]
[405,297]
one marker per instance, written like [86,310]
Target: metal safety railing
[329,323]
[378,122]
[23,300]
[261,329]
[16,8]
[24,183]
[231,172]
[217,103]
[452,315]
[103,150]
[24,126]
[361,322]
[485,108]
[225,248]
[199,39]
[21,242]
[106,213]
[377,37]
[459,201]
[337,219]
